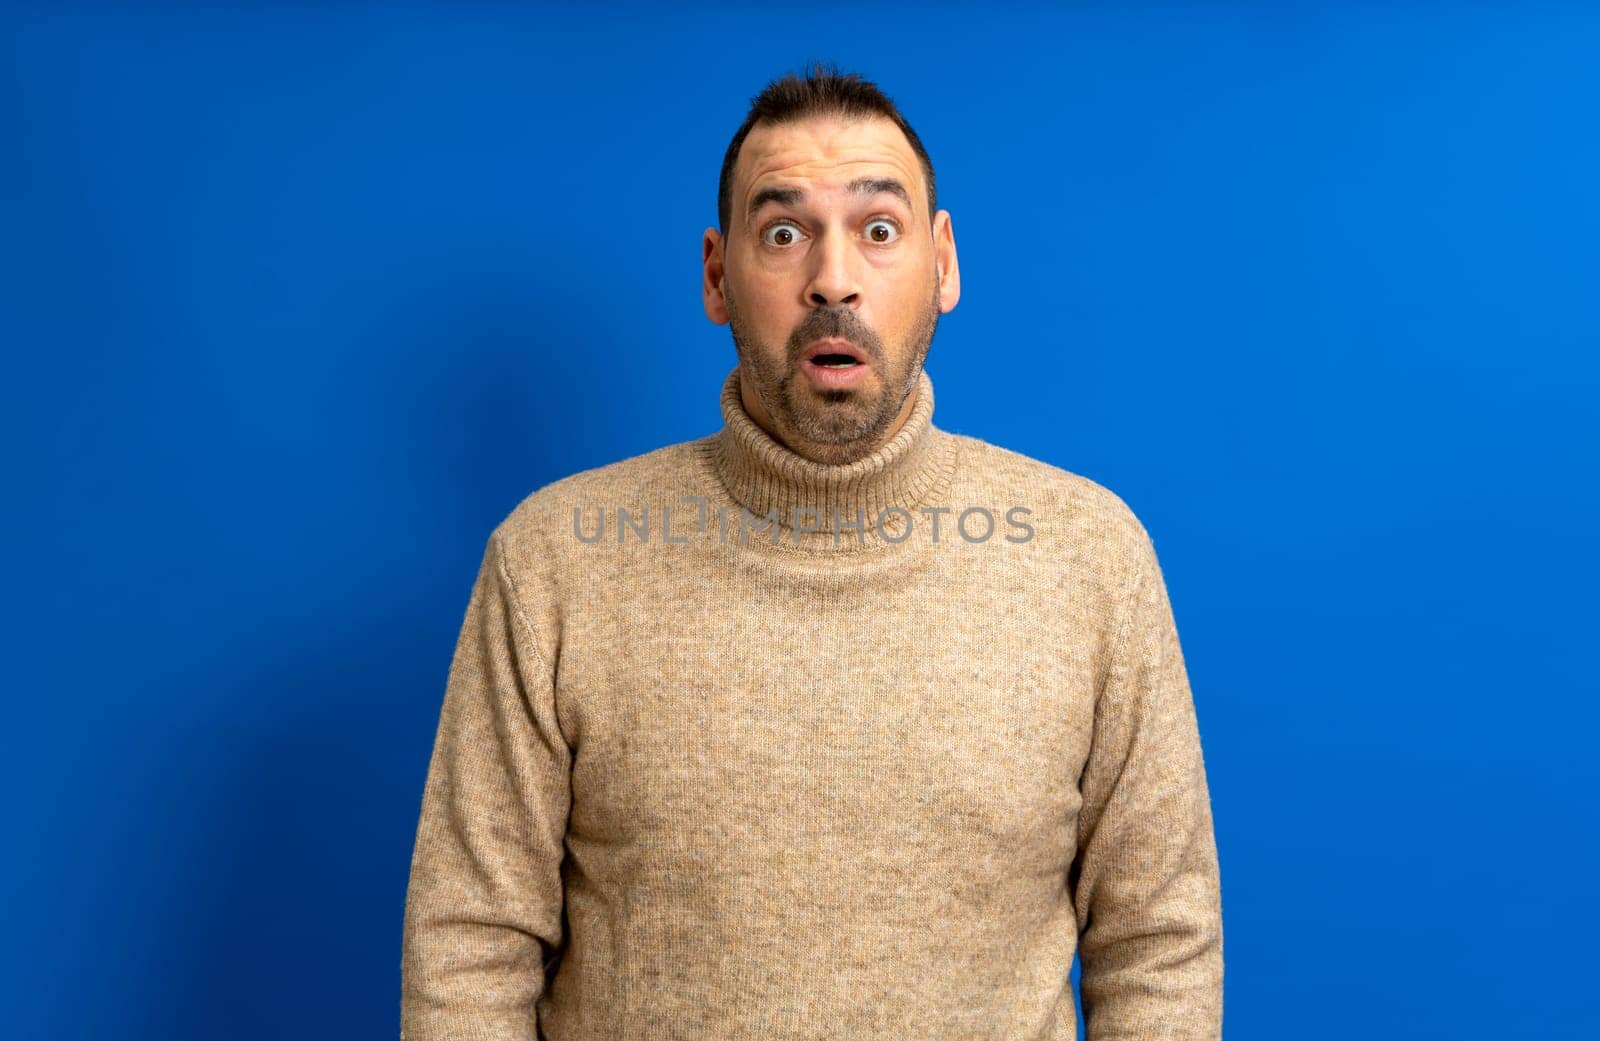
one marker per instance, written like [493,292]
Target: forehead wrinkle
[788,170]
[865,186]
[787,159]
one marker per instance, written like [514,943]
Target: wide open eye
[780,233]
[888,233]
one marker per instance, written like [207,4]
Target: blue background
[297,304]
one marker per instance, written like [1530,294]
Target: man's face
[829,240]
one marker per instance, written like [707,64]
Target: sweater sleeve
[1146,886]
[483,910]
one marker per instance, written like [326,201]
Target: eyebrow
[860,186]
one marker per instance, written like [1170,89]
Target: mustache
[835,323]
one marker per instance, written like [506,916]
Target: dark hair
[824,92]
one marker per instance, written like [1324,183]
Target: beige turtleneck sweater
[702,779]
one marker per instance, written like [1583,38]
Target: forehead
[825,152]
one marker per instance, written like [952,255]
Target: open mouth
[834,353]
[835,364]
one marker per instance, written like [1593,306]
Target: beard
[830,425]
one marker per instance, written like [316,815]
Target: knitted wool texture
[706,779]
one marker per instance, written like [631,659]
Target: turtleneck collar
[761,474]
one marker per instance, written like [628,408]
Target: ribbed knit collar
[762,474]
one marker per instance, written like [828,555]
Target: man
[831,724]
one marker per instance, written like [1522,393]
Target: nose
[833,279]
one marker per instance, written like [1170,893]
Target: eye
[882,230]
[780,233]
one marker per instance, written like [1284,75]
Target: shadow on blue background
[298,304]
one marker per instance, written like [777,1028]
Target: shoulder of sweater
[1081,510]
[648,479]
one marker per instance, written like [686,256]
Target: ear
[944,255]
[712,252]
